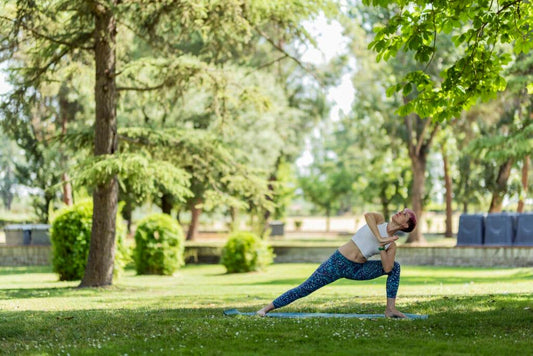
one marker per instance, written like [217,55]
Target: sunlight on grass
[472,310]
[206,285]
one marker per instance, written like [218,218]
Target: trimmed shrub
[159,245]
[70,235]
[245,252]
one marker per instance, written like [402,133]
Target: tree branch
[420,138]
[141,89]
[268,64]
[287,54]
[409,125]
[51,39]
[433,133]
[434,39]
[41,70]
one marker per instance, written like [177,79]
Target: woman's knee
[394,269]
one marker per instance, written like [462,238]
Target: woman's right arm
[373,220]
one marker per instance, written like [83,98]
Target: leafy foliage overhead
[489,34]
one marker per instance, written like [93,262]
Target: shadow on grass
[206,330]
[36,292]
[490,303]
[494,308]
[67,291]
[5,271]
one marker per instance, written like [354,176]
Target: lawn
[471,311]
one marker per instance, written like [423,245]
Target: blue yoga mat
[320,315]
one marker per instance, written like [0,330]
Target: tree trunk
[166,204]
[193,227]
[270,196]
[48,198]
[7,194]
[127,210]
[234,222]
[418,164]
[67,190]
[525,171]
[418,146]
[501,187]
[99,270]
[385,206]
[64,113]
[448,194]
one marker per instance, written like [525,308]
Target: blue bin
[471,227]
[524,230]
[500,229]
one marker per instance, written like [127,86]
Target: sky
[330,42]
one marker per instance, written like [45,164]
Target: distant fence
[31,255]
[416,256]
[25,255]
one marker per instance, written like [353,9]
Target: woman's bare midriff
[352,252]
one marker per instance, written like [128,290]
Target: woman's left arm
[387,257]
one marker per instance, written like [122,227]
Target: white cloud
[329,39]
[331,43]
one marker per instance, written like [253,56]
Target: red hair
[411,222]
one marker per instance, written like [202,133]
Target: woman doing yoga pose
[351,261]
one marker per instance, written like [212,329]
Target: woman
[351,261]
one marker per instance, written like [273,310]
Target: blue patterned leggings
[336,267]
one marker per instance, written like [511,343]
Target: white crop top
[367,242]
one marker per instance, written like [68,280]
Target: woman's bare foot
[261,312]
[394,313]
[265,310]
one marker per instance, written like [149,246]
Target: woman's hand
[388,244]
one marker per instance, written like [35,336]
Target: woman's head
[407,218]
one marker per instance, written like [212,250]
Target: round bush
[70,235]
[159,245]
[245,252]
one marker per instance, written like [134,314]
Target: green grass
[471,311]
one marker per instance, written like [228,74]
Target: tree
[509,139]
[326,180]
[65,28]
[449,153]
[448,191]
[31,129]
[482,31]
[416,131]
[501,145]
[468,187]
[525,187]
[8,181]
[67,112]
[367,142]
[303,85]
